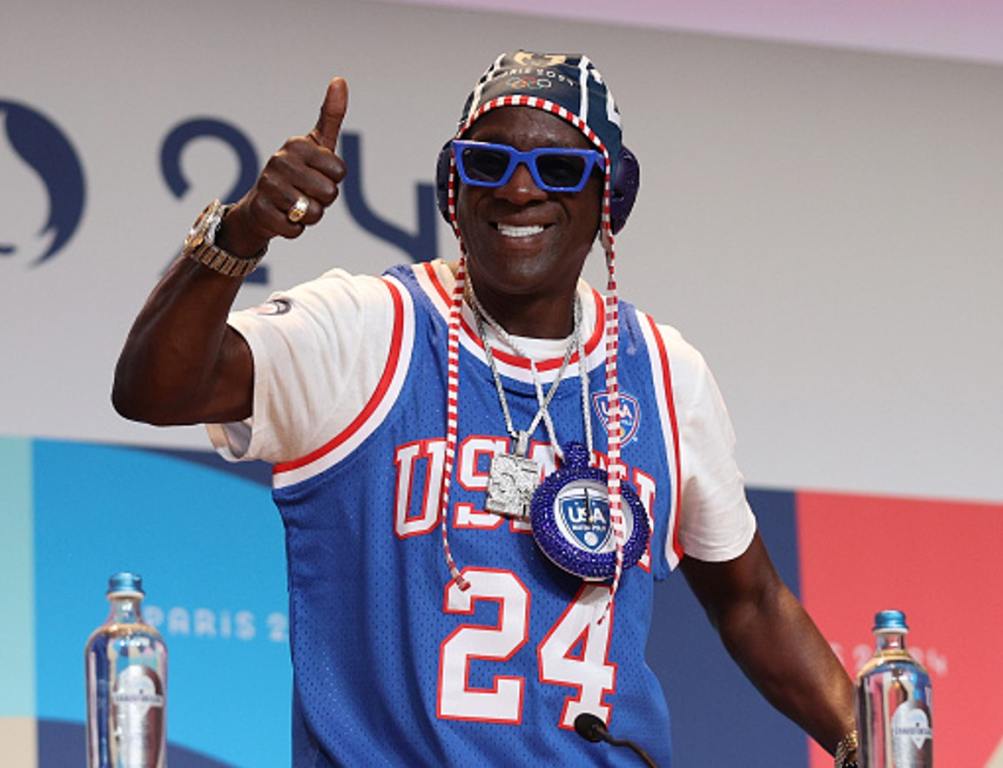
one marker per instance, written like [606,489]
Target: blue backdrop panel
[209,545]
[718,718]
[17,644]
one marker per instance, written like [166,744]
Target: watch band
[200,245]
[846,751]
[225,263]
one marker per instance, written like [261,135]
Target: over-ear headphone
[626,182]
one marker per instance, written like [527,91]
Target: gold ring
[298,209]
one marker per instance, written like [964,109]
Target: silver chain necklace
[513,477]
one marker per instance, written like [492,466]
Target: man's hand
[305,166]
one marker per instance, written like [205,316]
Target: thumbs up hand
[295,187]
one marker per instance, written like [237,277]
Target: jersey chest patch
[630,413]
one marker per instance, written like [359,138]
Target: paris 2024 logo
[40,161]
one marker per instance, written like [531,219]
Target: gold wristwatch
[200,244]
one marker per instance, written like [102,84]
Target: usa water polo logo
[583,516]
[46,153]
[630,413]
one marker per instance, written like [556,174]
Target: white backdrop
[967,30]
[825,225]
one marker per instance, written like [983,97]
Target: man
[447,605]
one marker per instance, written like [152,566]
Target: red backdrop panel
[941,563]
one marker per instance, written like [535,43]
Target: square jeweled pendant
[511,482]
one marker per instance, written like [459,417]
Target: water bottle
[894,715]
[126,667]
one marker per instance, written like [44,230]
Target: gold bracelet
[846,751]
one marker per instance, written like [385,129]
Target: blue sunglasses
[554,169]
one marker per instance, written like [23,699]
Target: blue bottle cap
[125,581]
[890,621]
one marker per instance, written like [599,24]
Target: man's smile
[514,231]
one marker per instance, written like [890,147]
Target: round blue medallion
[571,524]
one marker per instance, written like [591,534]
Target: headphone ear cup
[626,182]
[442,179]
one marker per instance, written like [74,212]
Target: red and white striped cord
[452,388]
[614,468]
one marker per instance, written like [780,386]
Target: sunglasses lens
[561,170]
[485,164]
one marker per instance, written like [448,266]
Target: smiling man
[483,466]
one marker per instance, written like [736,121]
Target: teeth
[508,231]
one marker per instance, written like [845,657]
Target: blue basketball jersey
[393,663]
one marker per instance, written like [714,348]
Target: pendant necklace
[513,477]
[569,512]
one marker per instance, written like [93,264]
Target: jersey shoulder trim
[661,377]
[377,406]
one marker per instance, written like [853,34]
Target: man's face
[520,240]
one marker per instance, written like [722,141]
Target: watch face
[200,229]
[581,509]
[196,236]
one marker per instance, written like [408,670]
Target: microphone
[590,727]
[593,729]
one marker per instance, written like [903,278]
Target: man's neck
[544,315]
[534,316]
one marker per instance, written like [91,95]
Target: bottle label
[137,717]
[910,731]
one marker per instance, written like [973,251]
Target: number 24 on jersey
[588,671]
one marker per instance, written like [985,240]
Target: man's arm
[181,363]
[774,641]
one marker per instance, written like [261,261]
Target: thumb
[332,112]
